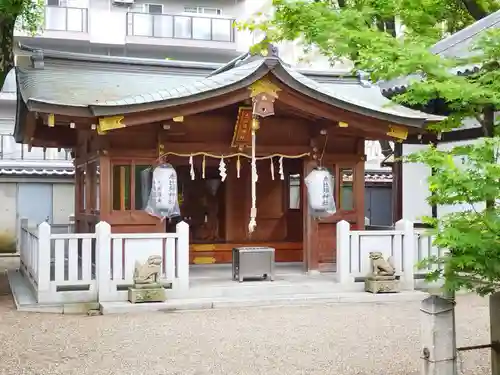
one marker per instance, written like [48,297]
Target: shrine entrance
[217,212]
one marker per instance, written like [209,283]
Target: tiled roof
[102,88]
[457,45]
[191,87]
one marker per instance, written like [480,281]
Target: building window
[203,10]
[294,192]
[131,185]
[153,8]
[54,3]
[121,187]
[346,198]
[143,175]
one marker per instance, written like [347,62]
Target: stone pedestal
[146,293]
[381,284]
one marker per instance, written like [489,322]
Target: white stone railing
[98,267]
[406,246]
[28,240]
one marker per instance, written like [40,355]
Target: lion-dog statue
[149,272]
[380,266]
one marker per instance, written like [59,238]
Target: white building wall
[443,210]
[416,187]
[8,207]
[63,202]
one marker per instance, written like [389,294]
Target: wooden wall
[295,234]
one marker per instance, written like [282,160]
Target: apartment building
[188,30]
[38,183]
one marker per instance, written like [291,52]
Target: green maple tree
[24,14]
[364,31]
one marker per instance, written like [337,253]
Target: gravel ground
[342,339]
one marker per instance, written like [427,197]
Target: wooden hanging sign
[397,132]
[110,123]
[242,136]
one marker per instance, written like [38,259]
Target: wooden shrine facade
[202,127]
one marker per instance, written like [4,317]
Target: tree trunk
[489,130]
[6,48]
[475,9]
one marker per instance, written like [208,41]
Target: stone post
[22,223]
[344,252]
[438,336]
[43,264]
[103,262]
[409,259]
[182,260]
[495,332]
[71,223]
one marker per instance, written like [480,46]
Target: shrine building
[119,124]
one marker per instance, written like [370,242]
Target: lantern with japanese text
[320,192]
[163,198]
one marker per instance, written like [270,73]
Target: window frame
[338,181]
[145,8]
[202,10]
[132,164]
[288,189]
[54,5]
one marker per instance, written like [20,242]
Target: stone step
[244,302]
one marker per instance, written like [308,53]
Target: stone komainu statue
[380,266]
[149,272]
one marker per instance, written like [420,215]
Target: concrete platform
[211,287]
[25,300]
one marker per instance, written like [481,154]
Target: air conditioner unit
[123,2]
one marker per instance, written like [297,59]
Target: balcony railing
[180,27]
[66,19]
[10,150]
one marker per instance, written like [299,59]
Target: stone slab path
[344,339]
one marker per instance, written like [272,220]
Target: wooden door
[270,204]
[349,199]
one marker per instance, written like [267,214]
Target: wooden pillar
[92,171]
[310,227]
[358,185]
[397,183]
[78,198]
[104,187]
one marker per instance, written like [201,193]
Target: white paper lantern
[320,192]
[165,188]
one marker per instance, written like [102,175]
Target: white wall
[443,210]
[63,202]
[416,188]
[8,192]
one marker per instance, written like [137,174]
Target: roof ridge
[464,34]
[84,57]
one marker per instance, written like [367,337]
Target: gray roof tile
[457,45]
[368,97]
[104,86]
[196,86]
